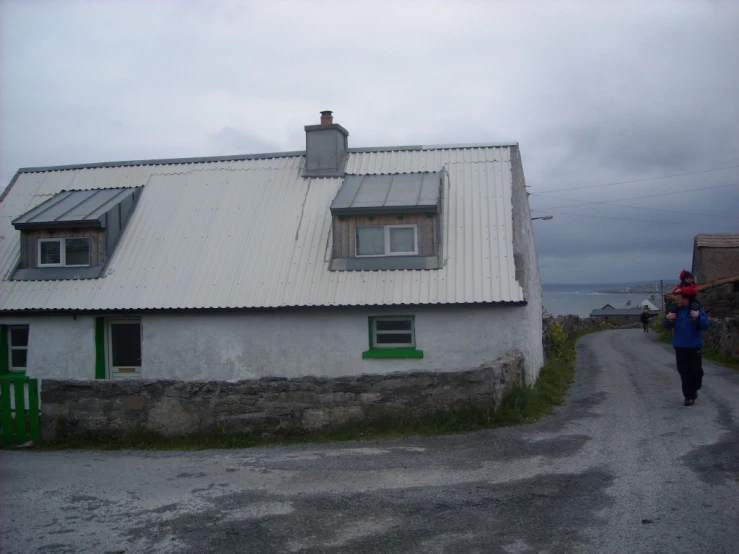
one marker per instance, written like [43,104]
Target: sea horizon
[582,298]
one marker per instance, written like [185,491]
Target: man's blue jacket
[687,335]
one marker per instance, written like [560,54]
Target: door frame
[132,372]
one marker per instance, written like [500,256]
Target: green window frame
[392,337]
[13,349]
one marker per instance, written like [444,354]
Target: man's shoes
[688,402]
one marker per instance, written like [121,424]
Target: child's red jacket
[685,290]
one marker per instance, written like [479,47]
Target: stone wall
[572,324]
[269,404]
[723,336]
[720,300]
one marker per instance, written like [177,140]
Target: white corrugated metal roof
[253,233]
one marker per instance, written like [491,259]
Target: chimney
[325,148]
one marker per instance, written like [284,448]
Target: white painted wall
[283,343]
[59,347]
[527,272]
[319,342]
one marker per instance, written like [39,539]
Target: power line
[639,220]
[626,219]
[646,179]
[585,203]
[581,202]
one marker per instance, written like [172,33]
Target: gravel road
[623,467]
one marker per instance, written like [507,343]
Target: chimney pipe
[326,117]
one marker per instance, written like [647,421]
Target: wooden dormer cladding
[30,242]
[345,229]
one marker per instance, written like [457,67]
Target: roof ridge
[259,156]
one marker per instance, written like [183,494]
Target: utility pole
[661,296]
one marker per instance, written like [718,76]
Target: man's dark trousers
[690,367]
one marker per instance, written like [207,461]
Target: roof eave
[85,224]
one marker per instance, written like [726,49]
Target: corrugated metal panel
[78,206]
[254,233]
[717,241]
[419,191]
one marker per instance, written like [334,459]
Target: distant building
[608,307]
[716,270]
[648,304]
[620,316]
[715,257]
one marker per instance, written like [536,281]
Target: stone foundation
[175,408]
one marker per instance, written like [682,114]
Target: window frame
[129,371]
[60,242]
[386,234]
[11,348]
[63,251]
[374,332]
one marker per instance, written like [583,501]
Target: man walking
[645,319]
[688,341]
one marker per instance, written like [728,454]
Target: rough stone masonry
[175,408]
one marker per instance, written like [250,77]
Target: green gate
[19,409]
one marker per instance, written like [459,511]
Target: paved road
[622,451]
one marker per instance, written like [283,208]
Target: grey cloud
[593,92]
[230,140]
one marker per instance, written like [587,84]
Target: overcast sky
[594,93]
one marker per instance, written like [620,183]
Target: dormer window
[64,252]
[388,221]
[73,234]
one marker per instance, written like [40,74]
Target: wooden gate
[19,410]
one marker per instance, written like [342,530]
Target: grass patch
[709,353]
[521,405]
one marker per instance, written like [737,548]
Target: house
[650,306]
[333,261]
[715,257]
[620,316]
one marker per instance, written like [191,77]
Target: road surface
[623,467]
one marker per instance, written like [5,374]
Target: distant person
[688,288]
[644,317]
[687,339]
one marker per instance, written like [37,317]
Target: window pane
[393,325]
[19,336]
[51,252]
[18,358]
[394,338]
[126,347]
[402,240]
[77,251]
[370,241]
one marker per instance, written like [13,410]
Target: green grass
[521,405]
[709,353]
